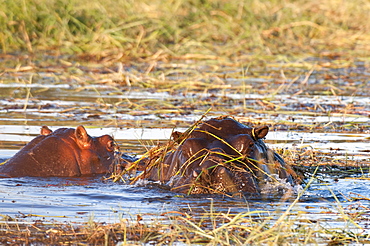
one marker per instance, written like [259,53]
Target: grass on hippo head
[154,158]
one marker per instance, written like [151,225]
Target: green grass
[166,29]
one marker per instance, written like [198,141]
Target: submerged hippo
[65,152]
[219,156]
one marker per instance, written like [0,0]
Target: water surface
[327,114]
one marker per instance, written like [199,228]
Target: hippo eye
[250,147]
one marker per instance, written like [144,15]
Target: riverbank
[157,30]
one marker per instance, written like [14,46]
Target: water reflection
[73,199]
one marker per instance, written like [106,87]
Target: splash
[276,185]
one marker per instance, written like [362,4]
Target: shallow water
[78,200]
[337,127]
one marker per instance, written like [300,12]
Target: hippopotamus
[221,155]
[66,152]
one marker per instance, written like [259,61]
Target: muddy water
[326,112]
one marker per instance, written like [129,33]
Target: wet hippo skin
[66,152]
[220,156]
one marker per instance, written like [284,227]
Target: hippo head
[226,165]
[64,152]
[219,156]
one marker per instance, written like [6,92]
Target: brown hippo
[65,152]
[221,155]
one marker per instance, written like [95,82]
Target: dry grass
[182,28]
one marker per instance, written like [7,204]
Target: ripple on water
[71,198]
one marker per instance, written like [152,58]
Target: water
[74,199]
[79,200]
[334,123]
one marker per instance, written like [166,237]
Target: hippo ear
[111,145]
[260,132]
[45,131]
[82,137]
[177,136]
